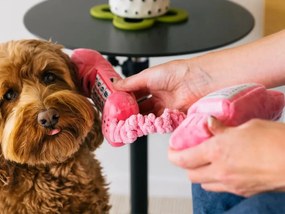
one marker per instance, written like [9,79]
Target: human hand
[243,160]
[174,85]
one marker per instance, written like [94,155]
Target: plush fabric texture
[232,106]
[138,125]
[96,75]
[122,123]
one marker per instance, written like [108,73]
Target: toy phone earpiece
[97,75]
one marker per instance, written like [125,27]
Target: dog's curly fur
[42,171]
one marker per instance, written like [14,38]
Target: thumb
[215,126]
[118,83]
[132,83]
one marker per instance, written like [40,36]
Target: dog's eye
[49,78]
[10,95]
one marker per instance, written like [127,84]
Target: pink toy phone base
[232,106]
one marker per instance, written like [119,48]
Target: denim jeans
[217,203]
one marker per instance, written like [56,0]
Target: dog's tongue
[54,132]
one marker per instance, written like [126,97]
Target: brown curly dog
[48,132]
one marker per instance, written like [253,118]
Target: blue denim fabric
[218,203]
[265,203]
[205,202]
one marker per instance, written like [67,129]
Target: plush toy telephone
[122,123]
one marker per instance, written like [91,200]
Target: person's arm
[245,160]
[179,83]
[261,61]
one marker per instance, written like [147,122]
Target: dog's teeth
[54,132]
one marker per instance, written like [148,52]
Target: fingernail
[210,121]
[114,79]
[142,99]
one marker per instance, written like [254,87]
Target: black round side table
[211,24]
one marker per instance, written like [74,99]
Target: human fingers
[190,158]
[201,154]
[151,105]
[133,83]
[215,126]
[221,187]
[215,187]
[203,174]
[142,95]
[147,106]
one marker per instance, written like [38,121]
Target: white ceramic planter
[139,8]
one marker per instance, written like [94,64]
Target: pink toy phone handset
[122,123]
[97,75]
[232,106]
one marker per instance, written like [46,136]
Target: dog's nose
[48,118]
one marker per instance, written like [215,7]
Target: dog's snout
[48,118]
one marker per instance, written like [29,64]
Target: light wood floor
[121,205]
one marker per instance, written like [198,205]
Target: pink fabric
[119,107]
[122,123]
[96,75]
[232,106]
[137,125]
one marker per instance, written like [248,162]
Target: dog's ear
[95,137]
[74,76]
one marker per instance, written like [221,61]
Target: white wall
[164,178]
